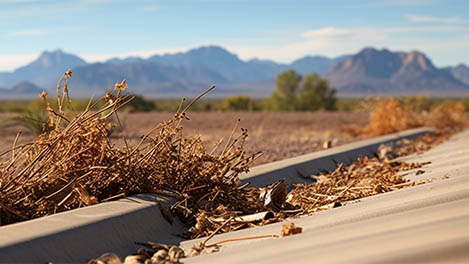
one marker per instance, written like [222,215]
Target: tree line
[293,93]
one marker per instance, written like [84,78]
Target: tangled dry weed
[446,115]
[76,165]
[391,115]
[364,177]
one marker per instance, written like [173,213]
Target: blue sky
[279,30]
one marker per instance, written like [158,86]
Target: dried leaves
[421,144]
[290,229]
[364,177]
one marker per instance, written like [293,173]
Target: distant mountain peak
[384,71]
[25,85]
[372,51]
[210,48]
[58,57]
[46,69]
[49,58]
[460,72]
[374,63]
[23,88]
[53,52]
[419,60]
[213,51]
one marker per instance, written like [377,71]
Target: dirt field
[278,135]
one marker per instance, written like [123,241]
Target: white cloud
[325,32]
[434,19]
[16,1]
[100,57]
[50,8]
[149,8]
[29,32]
[35,32]
[35,10]
[13,61]
[406,3]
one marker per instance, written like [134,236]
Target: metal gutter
[78,235]
[81,234]
[298,169]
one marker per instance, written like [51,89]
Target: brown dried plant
[364,177]
[76,165]
[389,116]
[447,115]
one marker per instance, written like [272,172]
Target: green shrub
[33,116]
[140,104]
[316,94]
[285,97]
[238,103]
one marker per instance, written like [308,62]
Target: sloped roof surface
[427,223]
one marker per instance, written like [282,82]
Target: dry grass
[76,165]
[278,135]
[446,115]
[390,115]
[364,177]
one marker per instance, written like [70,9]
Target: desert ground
[277,135]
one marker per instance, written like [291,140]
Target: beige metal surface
[80,234]
[427,223]
[298,169]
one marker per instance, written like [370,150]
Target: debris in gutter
[346,184]
[364,177]
[274,195]
[290,229]
[204,248]
[155,253]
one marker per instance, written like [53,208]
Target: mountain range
[460,72]
[373,71]
[370,71]
[22,90]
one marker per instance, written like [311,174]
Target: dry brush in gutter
[364,177]
[76,165]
